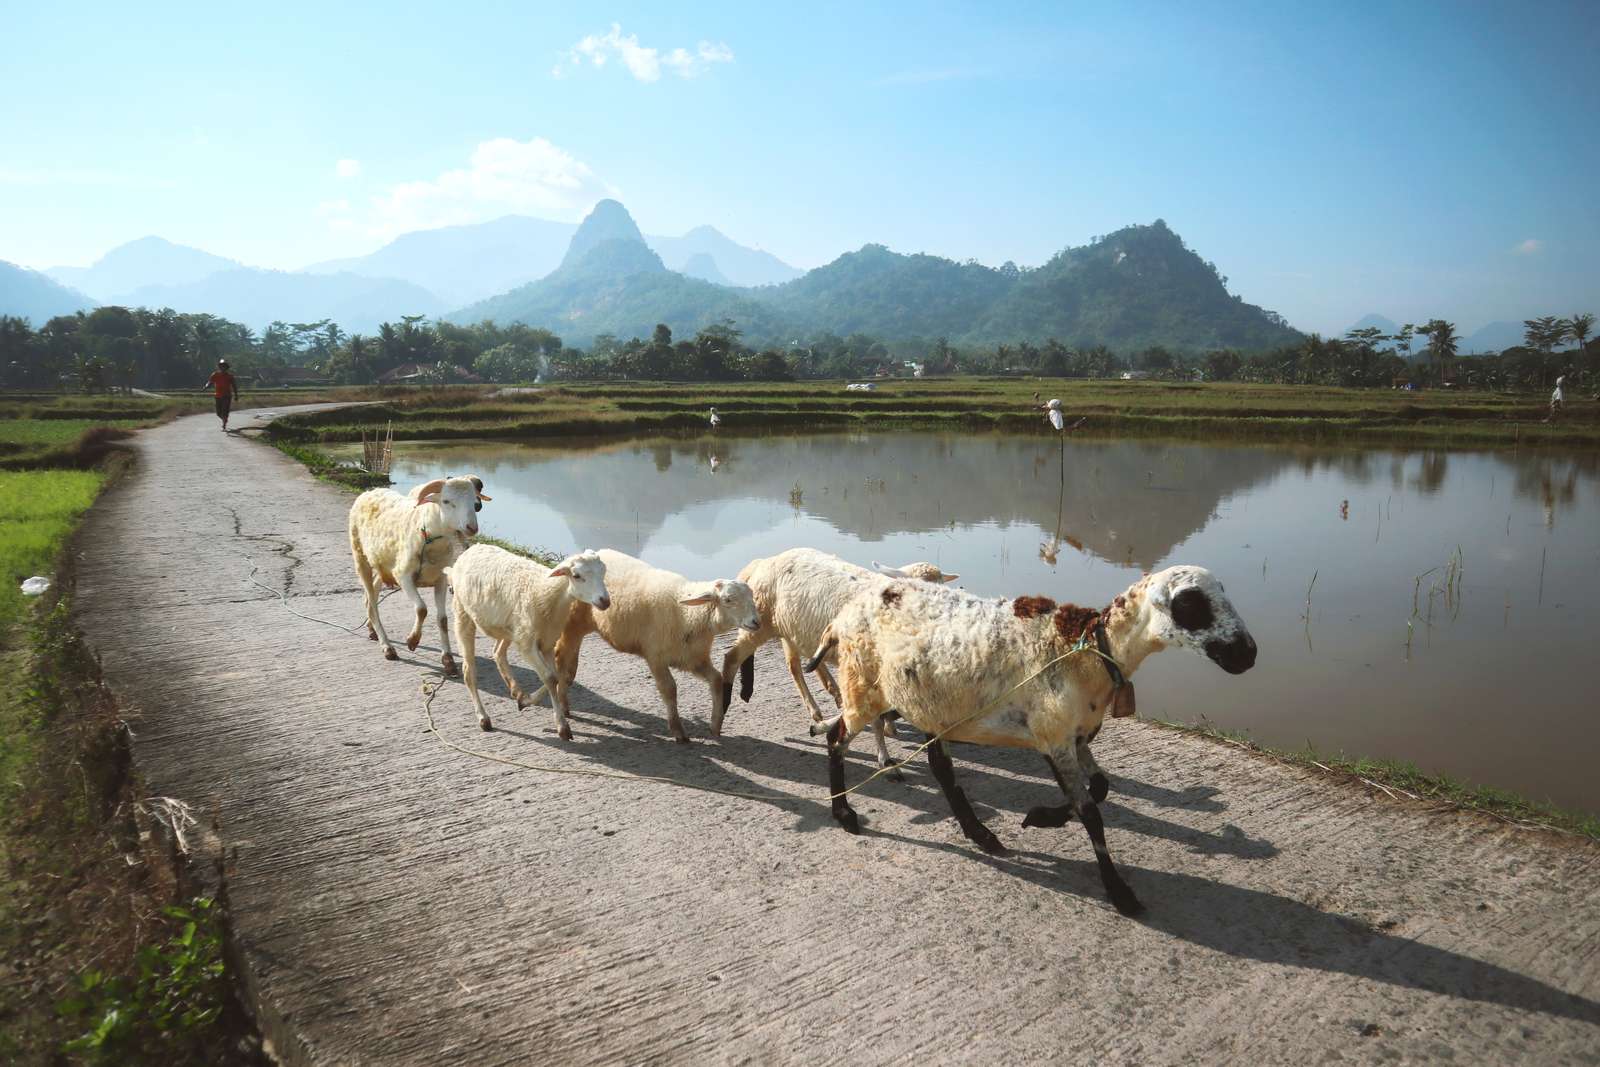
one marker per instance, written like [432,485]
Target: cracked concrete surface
[397,902]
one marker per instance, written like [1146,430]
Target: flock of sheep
[1024,673]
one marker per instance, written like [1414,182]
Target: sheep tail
[829,642]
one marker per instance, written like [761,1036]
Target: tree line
[163,349]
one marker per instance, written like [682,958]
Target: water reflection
[1448,623]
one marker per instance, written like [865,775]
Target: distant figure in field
[1556,399]
[225,389]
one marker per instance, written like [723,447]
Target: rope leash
[284,600]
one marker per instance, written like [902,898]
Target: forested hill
[1132,289]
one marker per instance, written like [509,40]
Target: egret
[716,420]
[1056,418]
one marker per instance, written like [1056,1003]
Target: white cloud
[347,168]
[643,62]
[503,175]
[1528,247]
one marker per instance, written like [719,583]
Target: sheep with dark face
[948,660]
[408,541]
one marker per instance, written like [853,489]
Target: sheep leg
[1099,784]
[890,769]
[944,772]
[502,662]
[1072,783]
[713,678]
[791,656]
[467,638]
[447,660]
[739,658]
[408,586]
[369,588]
[829,684]
[546,671]
[668,688]
[838,741]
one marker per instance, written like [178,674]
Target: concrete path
[398,902]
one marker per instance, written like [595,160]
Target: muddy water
[1493,680]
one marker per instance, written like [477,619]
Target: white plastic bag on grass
[35,585]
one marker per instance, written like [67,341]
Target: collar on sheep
[1094,639]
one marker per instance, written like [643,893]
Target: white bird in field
[1056,418]
[716,420]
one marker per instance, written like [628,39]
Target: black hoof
[892,772]
[486,726]
[1098,786]
[682,739]
[565,733]
[1044,815]
[390,653]
[845,816]
[1126,903]
[984,838]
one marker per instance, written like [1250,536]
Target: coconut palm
[1578,328]
[1442,342]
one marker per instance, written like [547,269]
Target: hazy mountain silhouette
[610,281]
[1387,325]
[1495,337]
[145,262]
[701,265]
[30,295]
[258,297]
[463,264]
[736,263]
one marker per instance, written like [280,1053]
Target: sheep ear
[893,572]
[951,577]
[563,571]
[485,496]
[703,598]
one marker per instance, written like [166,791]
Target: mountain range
[1134,288]
[37,297]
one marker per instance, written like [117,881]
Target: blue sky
[1411,159]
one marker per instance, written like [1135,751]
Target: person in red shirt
[225,389]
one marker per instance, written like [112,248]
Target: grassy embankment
[102,952]
[1399,779]
[1223,411]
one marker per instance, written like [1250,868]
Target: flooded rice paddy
[1452,615]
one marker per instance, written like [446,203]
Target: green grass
[33,433]
[1400,779]
[1228,411]
[38,510]
[546,556]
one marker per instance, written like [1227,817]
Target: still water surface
[1497,684]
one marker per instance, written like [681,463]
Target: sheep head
[732,601]
[1186,607]
[586,576]
[921,572]
[457,501]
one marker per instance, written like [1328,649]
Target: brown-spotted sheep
[798,593]
[940,656]
[516,601]
[664,618]
[408,541]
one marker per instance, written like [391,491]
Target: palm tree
[1442,342]
[1578,328]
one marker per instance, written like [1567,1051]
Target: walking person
[226,390]
[1556,399]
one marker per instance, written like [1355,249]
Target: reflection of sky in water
[1494,690]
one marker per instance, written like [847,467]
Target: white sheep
[408,541]
[664,618]
[519,602]
[798,592]
[945,659]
